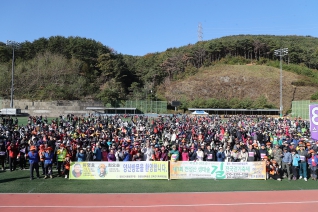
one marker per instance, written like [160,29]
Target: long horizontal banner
[120,170]
[217,170]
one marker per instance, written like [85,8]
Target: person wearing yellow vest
[60,154]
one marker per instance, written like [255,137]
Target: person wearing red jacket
[13,153]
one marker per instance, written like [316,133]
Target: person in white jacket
[200,154]
[243,155]
[147,151]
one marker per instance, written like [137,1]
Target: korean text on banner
[313,116]
[217,170]
[119,170]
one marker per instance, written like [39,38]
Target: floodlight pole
[281,53]
[13,45]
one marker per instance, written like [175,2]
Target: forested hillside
[59,68]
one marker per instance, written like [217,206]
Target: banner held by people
[217,170]
[119,170]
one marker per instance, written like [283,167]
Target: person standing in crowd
[61,153]
[174,154]
[185,154]
[98,152]
[48,161]
[243,155]
[67,165]
[111,155]
[313,162]
[220,155]
[2,155]
[164,154]
[295,164]
[209,153]
[13,152]
[303,162]
[34,162]
[277,154]
[200,154]
[252,155]
[286,163]
[22,156]
[80,155]
[192,154]
[42,158]
[89,154]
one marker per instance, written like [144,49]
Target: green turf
[24,120]
[19,182]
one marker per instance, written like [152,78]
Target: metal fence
[145,106]
[301,108]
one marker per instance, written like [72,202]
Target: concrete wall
[52,108]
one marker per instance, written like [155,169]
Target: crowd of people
[284,143]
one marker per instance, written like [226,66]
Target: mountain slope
[238,81]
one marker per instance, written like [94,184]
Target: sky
[138,27]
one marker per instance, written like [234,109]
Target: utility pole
[200,32]
[281,53]
[13,45]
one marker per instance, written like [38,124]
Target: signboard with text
[119,170]
[217,170]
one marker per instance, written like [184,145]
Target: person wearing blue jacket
[48,160]
[286,162]
[34,162]
[98,153]
[313,162]
[80,155]
[220,156]
[126,155]
[295,163]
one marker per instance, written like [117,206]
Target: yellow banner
[217,170]
[119,170]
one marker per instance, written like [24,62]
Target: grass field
[19,182]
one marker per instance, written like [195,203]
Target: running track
[223,201]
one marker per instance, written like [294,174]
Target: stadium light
[14,45]
[281,53]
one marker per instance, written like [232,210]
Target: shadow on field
[12,179]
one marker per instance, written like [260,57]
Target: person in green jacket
[174,154]
[60,154]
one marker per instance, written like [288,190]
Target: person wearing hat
[48,161]
[60,154]
[274,170]
[277,155]
[303,161]
[313,162]
[34,162]
[286,163]
[67,166]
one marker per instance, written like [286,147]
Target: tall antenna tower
[200,33]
